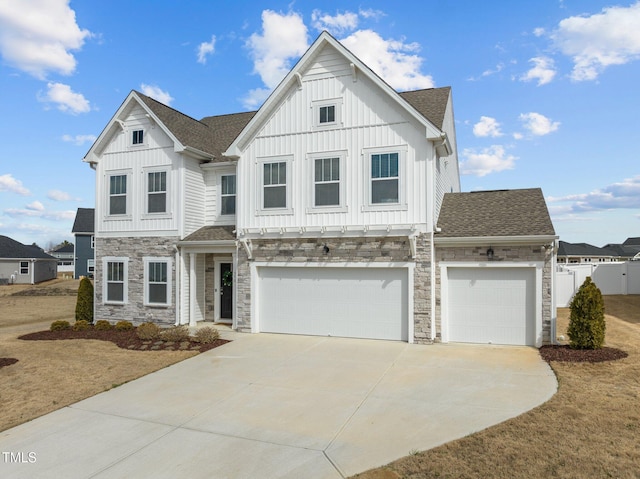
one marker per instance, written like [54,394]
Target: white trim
[128,174]
[167,192]
[260,162]
[105,277]
[131,133]
[444,290]
[169,262]
[402,151]
[542,240]
[220,215]
[342,156]
[337,119]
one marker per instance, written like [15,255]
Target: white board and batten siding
[212,180]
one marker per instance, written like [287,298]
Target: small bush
[81,325]
[103,325]
[175,333]
[206,335]
[586,321]
[148,331]
[84,302]
[124,326]
[60,325]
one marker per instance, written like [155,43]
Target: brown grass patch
[590,428]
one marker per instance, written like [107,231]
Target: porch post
[192,289]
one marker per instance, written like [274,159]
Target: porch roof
[211,234]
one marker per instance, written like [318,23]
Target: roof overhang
[494,240]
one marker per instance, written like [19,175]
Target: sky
[545,92]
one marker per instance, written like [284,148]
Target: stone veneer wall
[135,249]
[369,249]
[504,253]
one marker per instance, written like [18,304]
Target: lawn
[589,429]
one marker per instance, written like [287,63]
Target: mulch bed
[7,362]
[125,340]
[566,354]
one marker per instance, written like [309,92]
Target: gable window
[385,187]
[116,282]
[138,137]
[274,185]
[118,195]
[228,195]
[24,267]
[157,192]
[157,281]
[327,114]
[327,182]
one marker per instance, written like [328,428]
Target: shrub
[84,302]
[103,325]
[206,335]
[148,331]
[60,325]
[124,326]
[175,333]
[81,325]
[586,321]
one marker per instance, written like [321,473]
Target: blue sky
[545,93]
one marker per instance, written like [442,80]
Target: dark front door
[226,291]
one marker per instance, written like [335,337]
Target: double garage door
[491,305]
[334,301]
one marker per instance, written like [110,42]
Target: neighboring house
[315,215]
[22,264]
[83,230]
[65,256]
[572,253]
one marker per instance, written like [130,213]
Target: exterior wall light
[490,253]
[325,249]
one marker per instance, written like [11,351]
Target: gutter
[494,240]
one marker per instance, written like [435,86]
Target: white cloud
[9,183]
[396,62]
[487,126]
[538,32]
[622,195]
[543,70]
[156,93]
[38,36]
[595,42]
[79,139]
[33,211]
[370,13]
[65,99]
[485,161]
[58,195]
[283,39]
[537,124]
[35,206]
[518,136]
[255,98]
[205,49]
[337,24]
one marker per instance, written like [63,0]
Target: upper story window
[326,182]
[137,137]
[93,242]
[385,178]
[157,192]
[116,280]
[274,185]
[327,114]
[228,195]
[118,194]
[24,267]
[157,281]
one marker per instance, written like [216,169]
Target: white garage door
[491,305]
[327,301]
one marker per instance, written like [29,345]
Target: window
[327,182]
[118,195]
[384,178]
[138,137]
[327,114]
[93,242]
[157,192]
[91,266]
[116,280]
[274,185]
[157,281]
[24,267]
[228,195]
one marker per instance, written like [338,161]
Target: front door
[226,291]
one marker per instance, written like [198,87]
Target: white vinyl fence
[611,278]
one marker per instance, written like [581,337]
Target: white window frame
[132,133]
[161,214]
[401,150]
[315,109]
[105,278]
[221,195]
[287,209]
[127,214]
[341,207]
[147,261]
[24,269]
[91,266]
[93,242]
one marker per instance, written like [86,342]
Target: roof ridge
[169,107]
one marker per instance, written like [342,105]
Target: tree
[84,302]
[586,321]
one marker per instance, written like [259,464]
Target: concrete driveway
[268,406]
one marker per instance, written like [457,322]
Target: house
[627,251]
[65,256]
[22,264]
[317,214]
[571,253]
[83,230]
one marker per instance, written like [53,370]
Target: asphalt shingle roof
[495,213]
[430,103]
[84,222]
[583,249]
[10,248]
[213,233]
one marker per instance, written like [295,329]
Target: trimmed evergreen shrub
[206,335]
[103,325]
[148,331]
[81,325]
[84,303]
[124,326]
[586,321]
[60,325]
[175,333]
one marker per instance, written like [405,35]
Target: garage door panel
[330,301]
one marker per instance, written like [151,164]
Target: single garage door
[491,305]
[334,301]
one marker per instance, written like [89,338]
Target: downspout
[177,285]
[433,285]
